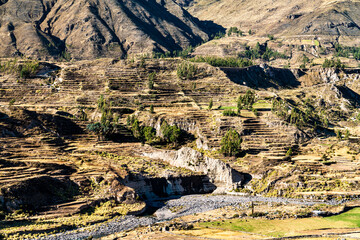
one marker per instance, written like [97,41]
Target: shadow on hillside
[157,190]
[353,97]
[264,77]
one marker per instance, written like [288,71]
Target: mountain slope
[94,28]
[284,18]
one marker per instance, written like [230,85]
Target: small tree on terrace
[231,143]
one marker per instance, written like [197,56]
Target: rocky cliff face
[92,28]
[218,171]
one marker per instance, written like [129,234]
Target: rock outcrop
[219,172]
[88,29]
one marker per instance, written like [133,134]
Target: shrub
[12,101]
[137,130]
[231,143]
[338,134]
[151,110]
[289,152]
[229,112]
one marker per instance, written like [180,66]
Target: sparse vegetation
[223,62]
[234,31]
[261,52]
[186,70]
[23,69]
[177,53]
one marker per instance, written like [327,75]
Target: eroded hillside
[334,20]
[89,29]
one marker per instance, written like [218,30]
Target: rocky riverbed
[185,205]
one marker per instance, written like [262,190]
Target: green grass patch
[289,227]
[228,107]
[352,216]
[262,104]
[311,42]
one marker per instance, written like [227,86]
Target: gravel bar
[189,204]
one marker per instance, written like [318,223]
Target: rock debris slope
[84,29]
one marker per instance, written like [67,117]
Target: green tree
[170,134]
[186,70]
[289,152]
[246,101]
[107,125]
[149,134]
[231,143]
[338,134]
[151,110]
[151,80]
[210,104]
[347,134]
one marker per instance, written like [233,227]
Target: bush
[186,70]
[231,143]
[151,110]
[229,113]
[289,152]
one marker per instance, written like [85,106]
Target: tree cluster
[108,122]
[186,70]
[333,64]
[264,53]
[231,143]
[246,101]
[234,31]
